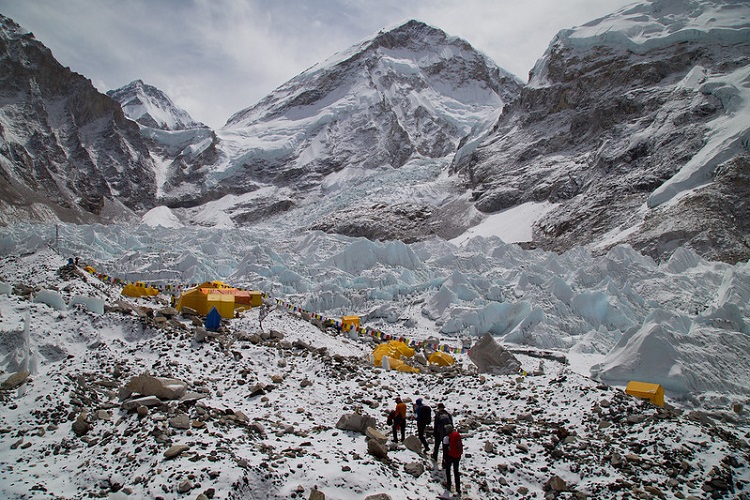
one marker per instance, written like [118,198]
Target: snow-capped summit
[405,94]
[151,107]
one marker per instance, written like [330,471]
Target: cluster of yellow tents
[390,354]
[226,299]
[139,289]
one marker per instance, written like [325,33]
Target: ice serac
[67,152]
[411,92]
[636,125]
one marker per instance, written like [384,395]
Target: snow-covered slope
[260,418]
[174,138]
[635,125]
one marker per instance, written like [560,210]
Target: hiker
[453,448]
[399,420]
[424,416]
[442,418]
[76,261]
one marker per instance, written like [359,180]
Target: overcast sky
[217,57]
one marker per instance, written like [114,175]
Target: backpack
[441,421]
[425,414]
[389,420]
[455,445]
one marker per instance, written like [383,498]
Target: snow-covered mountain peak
[420,55]
[408,94]
[152,108]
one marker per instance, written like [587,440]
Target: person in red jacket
[453,448]
[399,419]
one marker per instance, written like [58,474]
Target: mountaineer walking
[442,418]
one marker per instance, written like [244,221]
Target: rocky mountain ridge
[67,152]
[407,93]
[615,113]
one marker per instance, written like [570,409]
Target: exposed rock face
[66,151]
[606,120]
[490,357]
[172,135]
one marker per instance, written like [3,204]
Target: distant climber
[399,420]
[442,418]
[424,415]
[453,448]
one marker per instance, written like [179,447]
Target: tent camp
[139,289]
[645,390]
[215,294]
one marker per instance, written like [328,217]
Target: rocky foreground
[139,402]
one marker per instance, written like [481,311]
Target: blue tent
[213,320]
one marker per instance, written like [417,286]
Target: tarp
[646,390]
[441,359]
[139,289]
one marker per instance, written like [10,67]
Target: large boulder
[161,387]
[377,449]
[356,422]
[491,357]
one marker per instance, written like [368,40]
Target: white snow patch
[512,226]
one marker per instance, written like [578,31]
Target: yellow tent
[441,358]
[207,295]
[349,322]
[139,289]
[400,366]
[394,349]
[645,390]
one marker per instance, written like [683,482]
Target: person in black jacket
[442,418]
[423,414]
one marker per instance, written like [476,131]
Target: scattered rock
[556,484]
[491,357]
[81,425]
[15,380]
[316,494]
[356,422]
[162,388]
[377,449]
[176,450]
[415,469]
